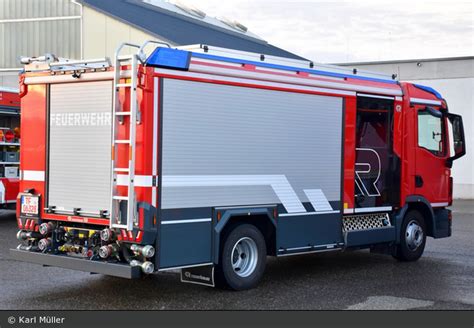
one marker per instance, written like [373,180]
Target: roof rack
[50,62]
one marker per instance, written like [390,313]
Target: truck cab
[438,141]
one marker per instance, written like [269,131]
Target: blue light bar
[170,58]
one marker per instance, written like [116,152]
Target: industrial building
[94,28]
[454,79]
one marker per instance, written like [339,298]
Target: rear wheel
[242,259]
[412,238]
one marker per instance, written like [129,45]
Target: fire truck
[206,160]
[9,146]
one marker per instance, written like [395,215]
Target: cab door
[431,173]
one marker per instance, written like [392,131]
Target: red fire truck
[208,160]
[9,146]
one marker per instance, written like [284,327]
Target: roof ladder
[120,219]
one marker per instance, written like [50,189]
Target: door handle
[418,181]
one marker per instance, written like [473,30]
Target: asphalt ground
[442,279]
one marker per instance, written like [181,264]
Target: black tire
[412,240]
[241,237]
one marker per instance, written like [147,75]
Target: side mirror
[458,143]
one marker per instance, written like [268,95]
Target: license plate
[30,205]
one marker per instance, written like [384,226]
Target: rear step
[67,262]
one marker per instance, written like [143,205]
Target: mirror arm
[449,163]
[434,112]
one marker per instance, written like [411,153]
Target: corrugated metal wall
[35,38]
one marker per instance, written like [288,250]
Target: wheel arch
[423,206]
[262,218]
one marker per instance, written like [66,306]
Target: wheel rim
[244,257]
[414,235]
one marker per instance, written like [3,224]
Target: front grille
[366,221]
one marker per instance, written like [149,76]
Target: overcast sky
[348,31]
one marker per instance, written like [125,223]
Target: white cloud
[338,31]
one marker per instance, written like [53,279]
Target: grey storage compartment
[11,156]
[11,172]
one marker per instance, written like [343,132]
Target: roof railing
[52,63]
[285,62]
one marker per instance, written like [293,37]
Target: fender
[228,213]
[429,214]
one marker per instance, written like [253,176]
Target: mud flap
[203,275]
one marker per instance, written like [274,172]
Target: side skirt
[310,249]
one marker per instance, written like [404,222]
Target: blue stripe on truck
[289,68]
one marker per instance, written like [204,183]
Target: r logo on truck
[367,173]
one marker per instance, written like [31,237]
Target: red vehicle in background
[9,146]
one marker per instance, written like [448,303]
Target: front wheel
[412,238]
[243,258]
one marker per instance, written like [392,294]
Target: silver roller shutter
[232,146]
[79,146]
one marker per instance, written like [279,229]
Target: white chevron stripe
[279,184]
[318,200]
